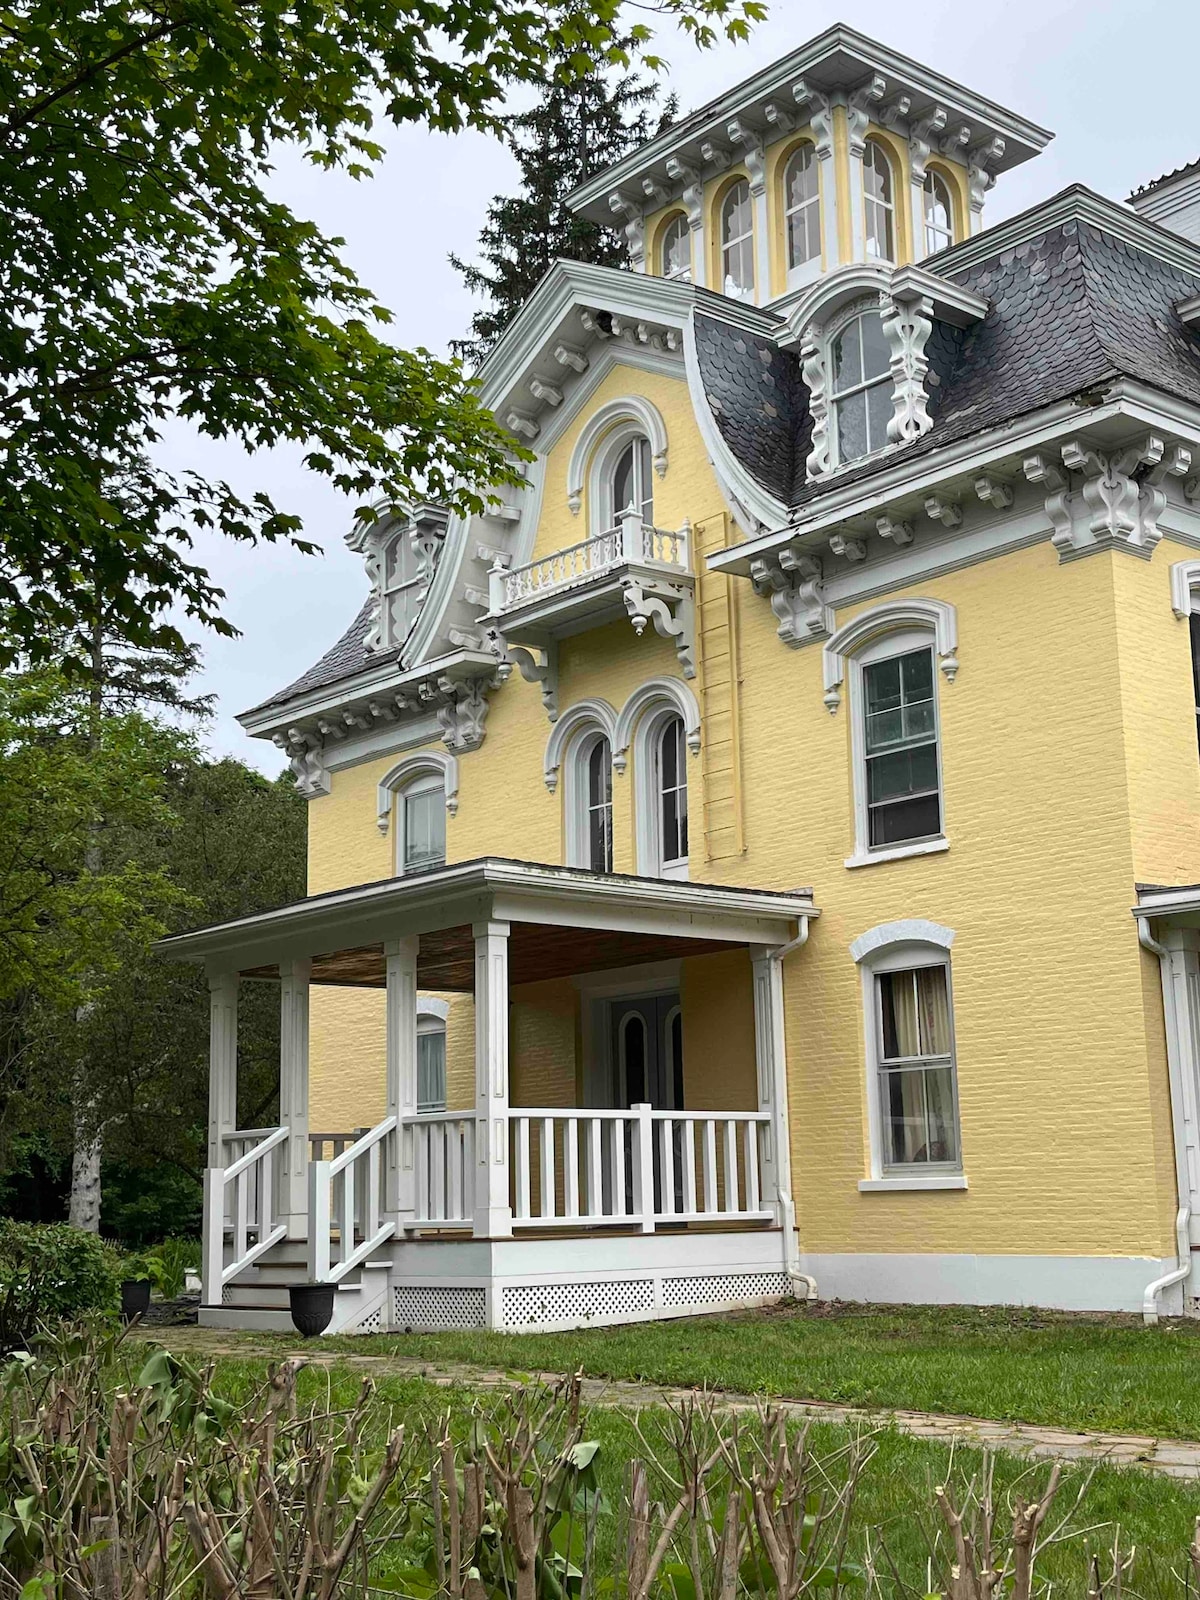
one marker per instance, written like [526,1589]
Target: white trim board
[1063,1283]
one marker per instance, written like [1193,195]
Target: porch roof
[617,919]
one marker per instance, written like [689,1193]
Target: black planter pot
[135,1298]
[311,1307]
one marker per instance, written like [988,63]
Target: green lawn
[895,1505]
[1107,1373]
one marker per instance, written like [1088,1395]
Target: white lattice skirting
[581,1303]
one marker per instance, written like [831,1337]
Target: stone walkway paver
[1174,1458]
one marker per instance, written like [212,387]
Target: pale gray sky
[1114,79]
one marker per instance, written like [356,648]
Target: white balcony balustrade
[631,543]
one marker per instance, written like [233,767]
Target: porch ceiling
[563,921]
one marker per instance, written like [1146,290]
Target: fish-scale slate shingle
[346,658]
[758,400]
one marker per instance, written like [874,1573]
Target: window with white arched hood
[802,212]
[879,200]
[676,249]
[737,242]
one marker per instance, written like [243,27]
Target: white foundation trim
[1064,1283]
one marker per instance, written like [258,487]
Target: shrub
[49,1273]
[165,1265]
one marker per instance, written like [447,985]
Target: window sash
[899,737]
[802,215]
[599,807]
[424,827]
[737,248]
[672,793]
[918,1103]
[678,234]
[431,1070]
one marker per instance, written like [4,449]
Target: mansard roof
[343,660]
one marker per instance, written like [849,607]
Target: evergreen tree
[579,126]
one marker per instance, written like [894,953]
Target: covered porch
[665,1149]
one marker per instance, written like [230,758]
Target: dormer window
[939,213]
[737,242]
[879,199]
[860,387]
[629,481]
[677,249]
[802,210]
[404,586]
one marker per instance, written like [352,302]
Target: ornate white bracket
[418,765]
[584,715]
[935,616]
[635,228]
[671,608]
[1123,494]
[657,691]
[628,408]
[538,666]
[907,326]
[792,583]
[306,758]
[461,710]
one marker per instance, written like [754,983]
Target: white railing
[348,1217]
[240,1198]
[337,1142]
[636,1168]
[631,541]
[443,1161]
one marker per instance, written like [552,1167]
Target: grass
[1087,1372]
[896,1494]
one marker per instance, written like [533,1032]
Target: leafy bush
[166,1265]
[48,1273]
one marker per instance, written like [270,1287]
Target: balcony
[632,570]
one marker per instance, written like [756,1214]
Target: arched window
[627,480]
[860,387]
[671,798]
[405,579]
[431,1054]
[737,242]
[589,802]
[909,1026]
[802,209]
[939,213]
[677,249]
[879,186]
[421,824]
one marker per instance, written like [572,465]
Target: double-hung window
[802,209]
[860,387]
[879,201]
[737,242]
[900,747]
[915,1054]
[672,798]
[431,1063]
[421,824]
[939,213]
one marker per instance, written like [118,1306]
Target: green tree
[579,125]
[147,273]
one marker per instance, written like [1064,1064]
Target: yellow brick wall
[1070,771]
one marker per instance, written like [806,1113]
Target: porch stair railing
[348,1218]
[240,1200]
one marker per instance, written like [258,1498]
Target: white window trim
[648,768]
[583,717]
[675,218]
[891,947]
[933,616]
[853,313]
[1185,581]
[425,763]
[631,413]
[882,648]
[929,190]
[640,719]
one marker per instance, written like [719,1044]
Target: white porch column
[493,1213]
[771,1062]
[401,959]
[222,1121]
[222,1062]
[293,1094]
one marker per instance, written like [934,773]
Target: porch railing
[443,1156]
[241,1200]
[348,1218]
[639,1167]
[631,541]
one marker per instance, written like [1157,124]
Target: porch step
[264,1319]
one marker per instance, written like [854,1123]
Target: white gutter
[783,1152]
[1183,1215]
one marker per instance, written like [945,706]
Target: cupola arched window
[677,249]
[939,213]
[879,199]
[802,209]
[628,480]
[860,387]
[737,242]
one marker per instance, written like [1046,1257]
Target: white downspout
[775,956]
[1183,1215]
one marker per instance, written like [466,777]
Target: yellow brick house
[761,856]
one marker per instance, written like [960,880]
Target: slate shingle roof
[343,660]
[758,401]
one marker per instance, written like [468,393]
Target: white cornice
[834,62]
[1076,204]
